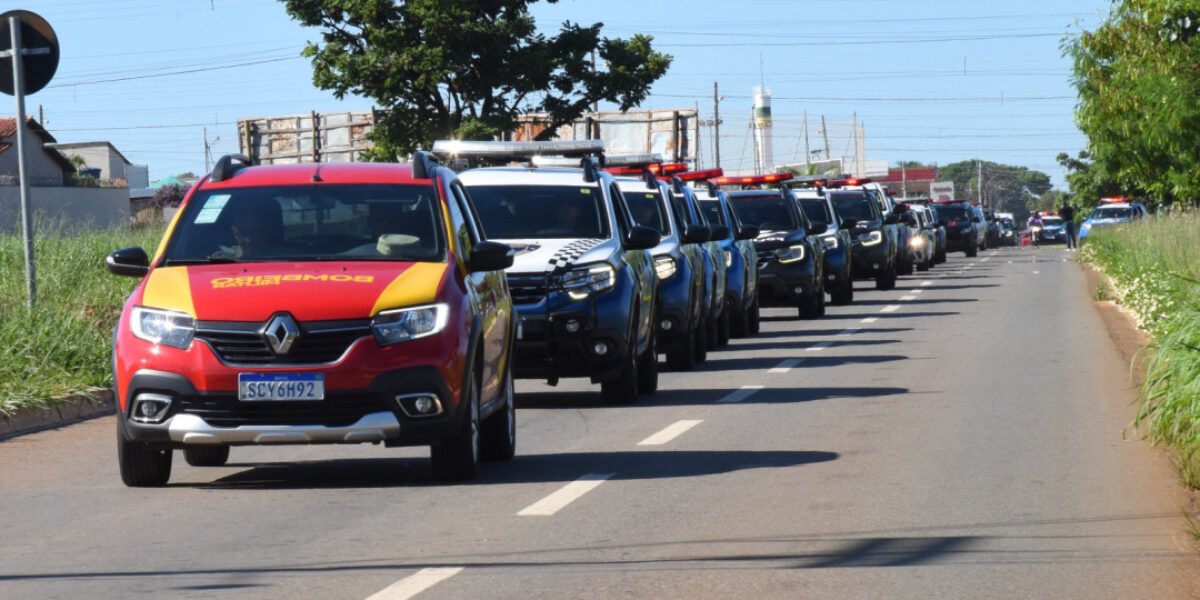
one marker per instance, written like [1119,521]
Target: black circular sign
[39,68]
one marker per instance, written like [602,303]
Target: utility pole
[807,155]
[716,126]
[207,154]
[903,180]
[825,133]
[979,180]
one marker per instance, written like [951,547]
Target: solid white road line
[567,494]
[415,584]
[671,432]
[741,394]
[890,308]
[786,365]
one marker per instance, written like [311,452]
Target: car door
[640,263]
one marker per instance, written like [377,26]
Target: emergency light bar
[518,150]
[1113,200]
[809,181]
[542,160]
[632,164]
[703,175]
[753,179]
[848,181]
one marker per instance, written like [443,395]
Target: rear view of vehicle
[583,281]
[314,304]
[790,252]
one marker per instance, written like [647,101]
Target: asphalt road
[960,436]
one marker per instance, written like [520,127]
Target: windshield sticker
[212,209]
[585,191]
[263,280]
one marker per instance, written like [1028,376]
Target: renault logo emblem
[281,332]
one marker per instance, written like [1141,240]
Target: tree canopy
[1005,188]
[1138,79]
[468,68]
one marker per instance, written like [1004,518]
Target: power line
[173,73]
[868,42]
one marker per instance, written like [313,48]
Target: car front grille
[336,410]
[527,288]
[320,342]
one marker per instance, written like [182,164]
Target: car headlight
[873,238]
[790,254]
[166,327]
[917,242]
[583,282]
[665,267]
[830,242]
[728,259]
[395,326]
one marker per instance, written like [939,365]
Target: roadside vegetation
[62,346]
[1155,272]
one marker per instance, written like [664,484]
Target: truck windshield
[853,205]
[816,210]
[768,211]
[540,211]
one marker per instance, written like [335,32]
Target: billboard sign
[942,191]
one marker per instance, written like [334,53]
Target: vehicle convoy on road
[583,281]
[679,260]
[311,304]
[839,264]
[791,262]
[874,249]
[741,258]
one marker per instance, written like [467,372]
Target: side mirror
[490,256]
[818,228]
[891,219]
[695,234]
[719,232]
[642,238]
[130,262]
[747,232]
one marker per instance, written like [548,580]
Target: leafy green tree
[1138,78]
[1089,181]
[1005,188]
[468,68]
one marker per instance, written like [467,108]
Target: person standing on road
[1068,216]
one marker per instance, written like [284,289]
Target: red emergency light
[1113,200]
[849,181]
[753,179]
[703,175]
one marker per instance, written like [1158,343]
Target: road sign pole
[14,26]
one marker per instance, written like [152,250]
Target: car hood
[310,291]
[545,255]
[1113,221]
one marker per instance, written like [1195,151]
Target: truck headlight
[665,267]
[166,327]
[583,282]
[830,242]
[872,238]
[917,242]
[395,326]
[790,254]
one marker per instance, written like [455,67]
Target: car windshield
[540,211]
[1051,221]
[852,205]
[1111,212]
[816,210]
[950,212]
[309,222]
[647,210]
[712,210]
[768,211]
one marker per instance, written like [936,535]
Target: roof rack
[225,167]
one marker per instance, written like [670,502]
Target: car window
[952,213]
[540,211]
[712,210]
[1111,212]
[310,222]
[816,210]
[648,211]
[767,211]
[853,205]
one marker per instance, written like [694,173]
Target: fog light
[875,266]
[600,348]
[666,325]
[150,408]
[419,405]
[798,290]
[831,276]
[572,326]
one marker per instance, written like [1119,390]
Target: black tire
[142,465]
[887,279]
[739,322]
[623,389]
[940,257]
[925,265]
[711,335]
[647,367]
[753,320]
[813,306]
[905,267]
[456,458]
[684,356]
[700,342]
[843,295]
[498,433]
[206,456]
[723,325]
[971,251]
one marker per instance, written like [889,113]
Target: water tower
[764,157]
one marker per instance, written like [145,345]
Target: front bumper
[786,284]
[869,261]
[837,269]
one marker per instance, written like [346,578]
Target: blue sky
[936,81]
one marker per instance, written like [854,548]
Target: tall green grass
[63,345]
[1155,268]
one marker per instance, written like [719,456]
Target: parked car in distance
[316,304]
[1112,211]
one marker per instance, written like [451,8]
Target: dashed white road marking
[415,584]
[739,395]
[786,365]
[671,432]
[1036,272]
[917,291]
[890,308]
[567,494]
[851,331]
[869,320]
[907,298]
[925,283]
